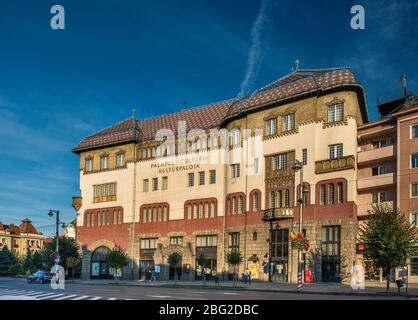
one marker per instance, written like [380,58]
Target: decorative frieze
[331,165]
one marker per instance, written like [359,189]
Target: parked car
[40,276]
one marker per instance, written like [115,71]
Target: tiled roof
[295,84]
[27,227]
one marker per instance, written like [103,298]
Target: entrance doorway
[279,249]
[331,258]
[175,266]
[99,266]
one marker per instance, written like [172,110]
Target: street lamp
[57,223]
[298,166]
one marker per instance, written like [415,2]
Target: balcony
[277,214]
[330,165]
[362,210]
[380,180]
[379,154]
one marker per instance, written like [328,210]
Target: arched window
[234,205]
[99,218]
[165,209]
[154,214]
[240,204]
[149,215]
[201,210]
[322,195]
[340,198]
[255,202]
[280,198]
[160,214]
[144,215]
[212,209]
[287,198]
[195,211]
[206,209]
[272,199]
[331,194]
[189,211]
[108,217]
[115,217]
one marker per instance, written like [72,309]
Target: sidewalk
[371,288]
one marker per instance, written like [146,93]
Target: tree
[388,237]
[68,248]
[234,258]
[117,259]
[202,261]
[28,263]
[8,262]
[174,260]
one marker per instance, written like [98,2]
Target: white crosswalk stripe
[96,298]
[66,297]
[44,295]
[49,296]
[80,298]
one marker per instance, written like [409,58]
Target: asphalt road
[19,289]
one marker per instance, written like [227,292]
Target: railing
[330,165]
[277,213]
[376,154]
[376,181]
[362,209]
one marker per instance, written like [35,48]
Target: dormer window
[120,159]
[104,162]
[89,165]
[336,112]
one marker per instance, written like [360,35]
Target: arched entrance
[99,267]
[175,261]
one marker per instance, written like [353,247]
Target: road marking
[66,297]
[14,291]
[48,296]
[96,298]
[160,297]
[230,293]
[111,299]
[35,293]
[80,298]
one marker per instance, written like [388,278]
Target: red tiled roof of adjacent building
[27,227]
[294,85]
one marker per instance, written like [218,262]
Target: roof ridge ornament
[296,64]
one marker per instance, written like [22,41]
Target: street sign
[57,259]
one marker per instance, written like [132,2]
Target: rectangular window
[213,141]
[176,241]
[89,165]
[212,176]
[379,144]
[256,166]
[191,179]
[104,162]
[104,192]
[235,137]
[154,184]
[336,112]
[145,185]
[149,243]
[164,183]
[304,157]
[414,219]
[414,131]
[206,241]
[331,241]
[271,126]
[414,160]
[235,170]
[414,189]
[233,241]
[336,151]
[379,170]
[201,178]
[378,197]
[280,161]
[289,122]
[120,160]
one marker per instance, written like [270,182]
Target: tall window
[191,179]
[233,241]
[414,189]
[280,198]
[104,162]
[414,219]
[414,160]
[235,170]
[120,159]
[272,199]
[414,131]
[289,122]
[240,204]
[212,176]
[287,198]
[255,201]
[89,165]
[164,183]
[256,165]
[280,161]
[336,112]
[322,195]
[235,137]
[201,178]
[304,157]
[271,126]
[213,141]
[189,211]
[145,185]
[331,241]
[340,192]
[154,184]
[331,194]
[336,151]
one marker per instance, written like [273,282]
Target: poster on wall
[157,268]
[95,269]
[253,267]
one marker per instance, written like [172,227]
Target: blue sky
[58,86]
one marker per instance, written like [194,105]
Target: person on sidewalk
[248,275]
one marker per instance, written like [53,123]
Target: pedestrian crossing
[11,294]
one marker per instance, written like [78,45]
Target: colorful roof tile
[294,85]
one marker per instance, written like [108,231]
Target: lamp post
[57,223]
[298,166]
